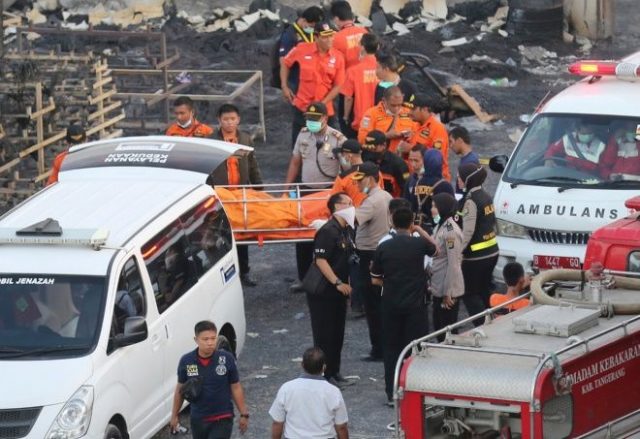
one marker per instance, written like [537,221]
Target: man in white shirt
[309,407]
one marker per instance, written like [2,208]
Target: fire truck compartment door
[472,374]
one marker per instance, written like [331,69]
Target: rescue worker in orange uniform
[350,156]
[186,124]
[394,171]
[347,39]
[241,170]
[321,76]
[429,131]
[359,87]
[390,117]
[75,135]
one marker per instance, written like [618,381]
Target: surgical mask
[386,84]
[308,30]
[631,136]
[344,162]
[421,171]
[187,124]
[366,190]
[436,219]
[314,126]
[348,214]
[585,138]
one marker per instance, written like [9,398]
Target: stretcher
[274,213]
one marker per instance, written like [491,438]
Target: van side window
[130,298]
[208,233]
[171,271]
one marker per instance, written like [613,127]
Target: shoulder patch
[426,132]
[449,227]
[406,175]
[364,123]
[450,243]
[437,144]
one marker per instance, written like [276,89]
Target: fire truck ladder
[544,359]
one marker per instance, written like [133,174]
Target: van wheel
[113,432]
[224,343]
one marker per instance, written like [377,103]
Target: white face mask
[185,125]
[348,214]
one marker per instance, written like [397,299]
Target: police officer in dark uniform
[479,242]
[394,170]
[424,183]
[333,248]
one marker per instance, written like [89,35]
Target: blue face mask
[436,219]
[308,30]
[314,126]
[385,84]
[366,190]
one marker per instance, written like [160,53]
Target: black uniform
[399,261]
[481,255]
[394,170]
[328,310]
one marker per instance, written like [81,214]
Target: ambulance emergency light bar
[619,69]
[49,232]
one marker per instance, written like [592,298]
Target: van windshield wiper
[516,183]
[7,352]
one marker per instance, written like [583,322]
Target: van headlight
[512,230]
[73,420]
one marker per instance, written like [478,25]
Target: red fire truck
[617,245]
[567,366]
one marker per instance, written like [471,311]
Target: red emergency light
[605,68]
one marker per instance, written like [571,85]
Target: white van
[572,170]
[102,278]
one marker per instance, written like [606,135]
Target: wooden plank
[102,82]
[105,110]
[162,96]
[45,110]
[106,124]
[473,105]
[93,100]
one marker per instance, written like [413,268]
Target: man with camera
[208,379]
[314,160]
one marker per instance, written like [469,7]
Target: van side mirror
[135,331]
[498,163]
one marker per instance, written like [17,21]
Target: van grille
[557,237]
[17,423]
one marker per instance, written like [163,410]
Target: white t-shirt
[310,408]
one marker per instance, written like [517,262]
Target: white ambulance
[102,278]
[572,170]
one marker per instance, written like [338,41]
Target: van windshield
[49,315]
[578,151]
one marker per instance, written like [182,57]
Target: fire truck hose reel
[542,297]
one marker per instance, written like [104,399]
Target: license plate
[546,262]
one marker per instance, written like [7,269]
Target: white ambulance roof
[607,96]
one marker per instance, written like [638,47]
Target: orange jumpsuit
[360,84]
[347,41]
[196,129]
[433,134]
[377,118]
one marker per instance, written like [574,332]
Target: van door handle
[155,341]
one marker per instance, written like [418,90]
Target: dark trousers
[345,125]
[328,316]
[399,329]
[371,297]
[443,317]
[304,257]
[211,430]
[477,275]
[357,303]
[298,122]
[243,258]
